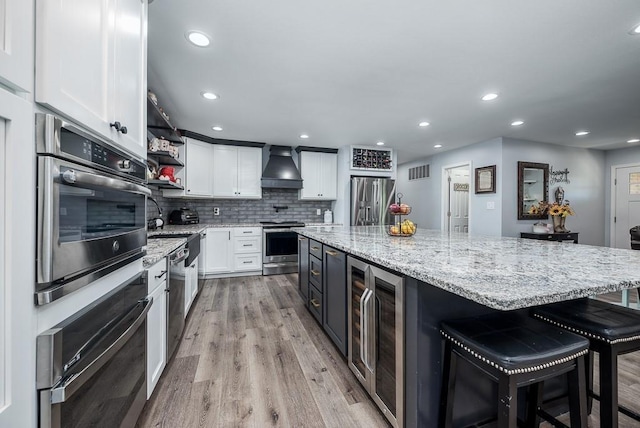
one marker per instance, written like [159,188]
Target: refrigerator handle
[367,331]
[367,214]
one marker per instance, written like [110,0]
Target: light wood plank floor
[252,356]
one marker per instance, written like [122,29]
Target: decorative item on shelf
[152,97]
[167,173]
[540,227]
[401,227]
[558,210]
[152,171]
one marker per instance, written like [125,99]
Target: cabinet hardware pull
[163,273]
[315,303]
[301,238]
[315,272]
[229,235]
[331,253]
[247,231]
[247,261]
[315,248]
[123,130]
[116,125]
[247,245]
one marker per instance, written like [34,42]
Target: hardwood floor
[252,355]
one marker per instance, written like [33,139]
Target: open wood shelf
[165,184]
[164,158]
[159,126]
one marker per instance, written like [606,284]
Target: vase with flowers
[558,212]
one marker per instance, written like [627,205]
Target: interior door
[627,204]
[459,199]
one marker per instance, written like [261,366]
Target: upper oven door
[280,246]
[87,220]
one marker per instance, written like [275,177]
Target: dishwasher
[175,304]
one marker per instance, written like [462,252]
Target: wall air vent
[418,172]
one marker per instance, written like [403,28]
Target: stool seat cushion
[592,318]
[514,343]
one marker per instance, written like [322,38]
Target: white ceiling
[357,72]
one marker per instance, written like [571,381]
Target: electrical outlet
[216,211]
[491,205]
[318,211]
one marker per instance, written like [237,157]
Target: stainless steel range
[279,247]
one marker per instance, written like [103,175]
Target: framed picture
[486,179]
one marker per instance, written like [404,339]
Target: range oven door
[89,224]
[279,246]
[91,368]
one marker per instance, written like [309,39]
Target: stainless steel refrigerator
[370,200]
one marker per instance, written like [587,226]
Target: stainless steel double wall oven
[91,208]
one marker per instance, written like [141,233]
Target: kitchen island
[457,275]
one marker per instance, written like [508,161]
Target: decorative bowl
[406,228]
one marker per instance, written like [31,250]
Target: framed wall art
[486,179]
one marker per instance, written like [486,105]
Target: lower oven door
[87,221]
[279,246]
[96,364]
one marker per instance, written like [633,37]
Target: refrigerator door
[370,200]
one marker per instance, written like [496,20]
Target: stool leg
[588,363]
[535,400]
[608,388]
[578,395]
[507,402]
[448,386]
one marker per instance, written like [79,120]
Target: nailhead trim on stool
[514,371]
[585,333]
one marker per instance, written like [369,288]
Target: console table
[570,236]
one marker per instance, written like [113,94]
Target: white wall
[586,190]
[425,195]
[626,156]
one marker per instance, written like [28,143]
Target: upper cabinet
[237,171]
[16,44]
[319,172]
[91,66]
[196,177]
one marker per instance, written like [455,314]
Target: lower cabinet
[303,268]
[218,250]
[190,285]
[233,251]
[156,324]
[334,296]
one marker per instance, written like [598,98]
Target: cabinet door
[334,294]
[17,246]
[249,172]
[303,268]
[310,165]
[219,250]
[16,44]
[72,60]
[199,176]
[190,285]
[225,171]
[156,337]
[128,97]
[328,176]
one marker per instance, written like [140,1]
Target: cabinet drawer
[315,303]
[247,231]
[243,262]
[247,244]
[315,248]
[315,271]
[157,274]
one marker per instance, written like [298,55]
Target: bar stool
[513,350]
[612,330]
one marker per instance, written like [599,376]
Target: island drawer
[315,271]
[315,303]
[315,248]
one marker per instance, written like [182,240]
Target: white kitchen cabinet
[157,324]
[196,175]
[319,176]
[219,250]
[237,172]
[91,66]
[238,248]
[16,44]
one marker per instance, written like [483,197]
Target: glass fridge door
[358,293]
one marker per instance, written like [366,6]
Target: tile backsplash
[245,210]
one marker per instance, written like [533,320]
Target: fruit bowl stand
[401,227]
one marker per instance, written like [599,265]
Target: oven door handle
[72,176]
[67,387]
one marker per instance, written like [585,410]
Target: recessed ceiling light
[517,123]
[209,95]
[437,146]
[582,133]
[634,140]
[489,97]
[304,136]
[199,39]
[217,128]
[423,124]
[380,143]
[635,30]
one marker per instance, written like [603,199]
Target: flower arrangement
[552,208]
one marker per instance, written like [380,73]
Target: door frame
[613,207]
[444,192]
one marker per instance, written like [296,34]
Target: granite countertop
[174,229]
[499,272]
[159,248]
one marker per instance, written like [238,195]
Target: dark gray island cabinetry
[303,268]
[457,275]
[334,295]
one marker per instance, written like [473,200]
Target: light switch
[491,205]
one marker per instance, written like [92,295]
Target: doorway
[625,191]
[456,184]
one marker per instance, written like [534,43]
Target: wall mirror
[533,188]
